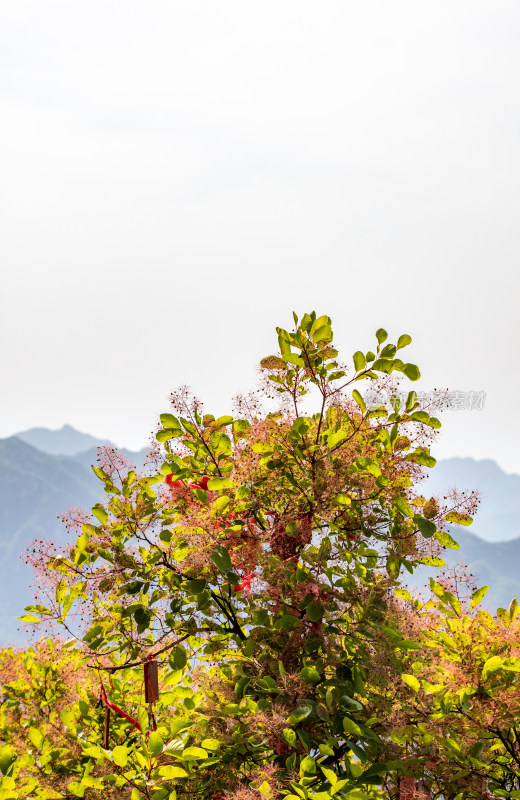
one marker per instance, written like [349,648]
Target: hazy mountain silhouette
[66,441]
[493,564]
[498,517]
[38,481]
[36,486]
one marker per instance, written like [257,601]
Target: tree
[257,566]
[459,703]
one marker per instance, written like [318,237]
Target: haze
[177,177]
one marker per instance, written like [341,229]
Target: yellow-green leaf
[412,682]
[170,772]
[478,596]
[349,726]
[120,755]
[194,753]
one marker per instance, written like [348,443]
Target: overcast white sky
[176,177]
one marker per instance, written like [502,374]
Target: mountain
[493,564]
[38,482]
[66,441]
[36,486]
[498,517]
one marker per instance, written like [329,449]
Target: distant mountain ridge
[498,517]
[493,564]
[36,486]
[65,441]
[38,482]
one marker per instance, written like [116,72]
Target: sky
[177,177]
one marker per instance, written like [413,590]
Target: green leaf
[287,622]
[100,513]
[310,675]
[219,484]
[411,371]
[446,540]
[301,712]
[194,754]
[170,772]
[196,586]
[403,341]
[265,790]
[169,421]
[458,518]
[425,419]
[142,616]
[90,530]
[381,335]
[220,504]
[155,743]
[164,434]
[36,737]
[401,504]
[221,559]
[178,658]
[283,341]
[240,427]
[76,788]
[431,561]
[61,591]
[411,400]
[307,766]
[29,618]
[225,420]
[329,774]
[388,351]
[378,411]
[383,365]
[323,334]
[412,682]
[335,438]
[120,755]
[426,526]
[393,565]
[142,718]
[315,611]
[359,360]
[7,757]
[445,596]
[349,726]
[422,458]
[211,744]
[491,666]
[292,358]
[359,400]
[368,465]
[290,737]
[350,704]
[100,473]
[420,416]
[437,589]
[477,597]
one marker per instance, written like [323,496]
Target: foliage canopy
[259,565]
